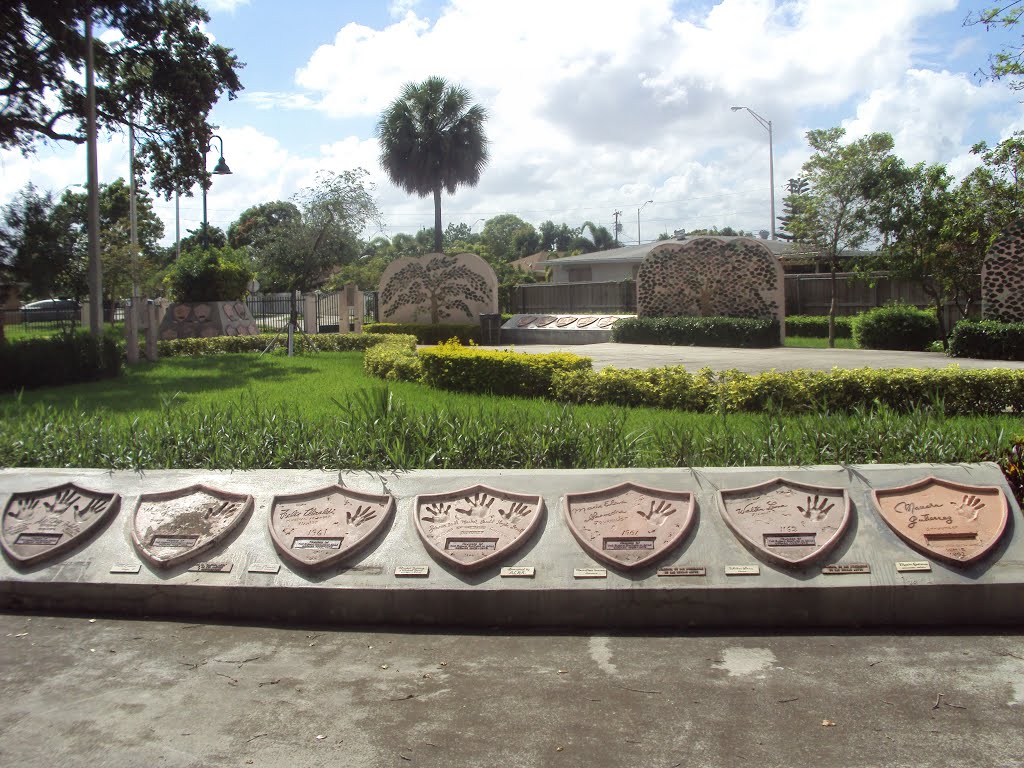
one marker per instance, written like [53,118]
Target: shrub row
[427,333]
[988,340]
[955,391]
[321,342]
[697,331]
[896,326]
[394,359]
[816,326]
[467,369]
[66,359]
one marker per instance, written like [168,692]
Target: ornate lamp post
[221,169]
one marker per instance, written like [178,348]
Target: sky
[594,106]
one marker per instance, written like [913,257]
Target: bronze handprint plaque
[38,525]
[787,522]
[629,525]
[476,526]
[950,521]
[321,528]
[177,526]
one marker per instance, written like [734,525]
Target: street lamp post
[221,169]
[767,125]
[638,220]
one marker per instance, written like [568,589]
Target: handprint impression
[479,505]
[969,508]
[818,509]
[361,515]
[659,508]
[517,509]
[438,513]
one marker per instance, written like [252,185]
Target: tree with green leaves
[299,255]
[432,139]
[258,223]
[1009,62]
[792,204]
[837,215]
[160,71]
[507,236]
[601,238]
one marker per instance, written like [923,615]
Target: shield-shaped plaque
[321,528]
[949,521]
[476,526]
[629,525]
[787,522]
[178,526]
[38,525]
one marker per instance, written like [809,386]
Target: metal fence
[52,320]
[596,298]
[272,311]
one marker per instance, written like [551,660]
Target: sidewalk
[757,360]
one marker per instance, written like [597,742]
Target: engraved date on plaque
[38,539]
[175,542]
[471,545]
[319,542]
[790,540]
[628,543]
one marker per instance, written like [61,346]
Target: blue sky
[595,106]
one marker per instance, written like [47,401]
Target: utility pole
[95,272]
[616,228]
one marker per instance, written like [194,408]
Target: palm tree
[432,139]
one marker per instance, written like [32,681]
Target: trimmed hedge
[394,359]
[816,326]
[959,392]
[426,333]
[321,342]
[697,331]
[467,369]
[60,360]
[896,326]
[987,340]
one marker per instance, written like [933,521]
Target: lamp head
[221,169]
[735,108]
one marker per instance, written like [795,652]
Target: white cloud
[227,6]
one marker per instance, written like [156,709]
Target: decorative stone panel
[438,289]
[707,277]
[1002,277]
[206,319]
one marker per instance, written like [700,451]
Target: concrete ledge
[367,591]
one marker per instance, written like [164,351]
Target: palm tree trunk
[437,220]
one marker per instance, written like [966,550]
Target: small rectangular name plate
[410,571]
[470,545]
[628,543]
[790,539]
[125,568]
[590,573]
[518,572]
[212,568]
[264,568]
[175,542]
[683,570]
[318,542]
[38,539]
[908,566]
[840,569]
[950,535]
[742,570]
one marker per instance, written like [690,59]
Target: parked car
[49,310]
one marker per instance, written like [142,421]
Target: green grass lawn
[815,343]
[245,411]
[20,332]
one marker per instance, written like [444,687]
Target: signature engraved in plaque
[321,528]
[629,525]
[953,522]
[38,525]
[476,526]
[177,526]
[787,522]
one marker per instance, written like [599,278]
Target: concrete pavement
[129,693]
[757,360]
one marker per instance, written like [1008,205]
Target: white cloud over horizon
[588,116]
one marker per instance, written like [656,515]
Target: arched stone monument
[1002,277]
[708,277]
[438,289]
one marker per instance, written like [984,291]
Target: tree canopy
[432,139]
[160,71]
